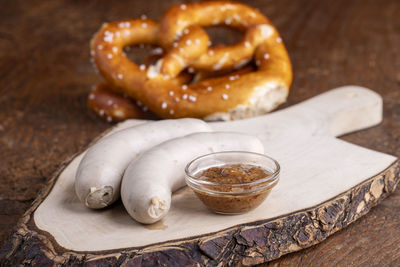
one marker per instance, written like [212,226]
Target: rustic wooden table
[45,76]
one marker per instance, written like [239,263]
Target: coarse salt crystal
[108,37]
[157,51]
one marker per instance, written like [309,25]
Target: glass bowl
[237,195]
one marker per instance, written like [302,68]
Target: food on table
[236,173]
[232,182]
[186,52]
[114,107]
[233,174]
[98,178]
[149,181]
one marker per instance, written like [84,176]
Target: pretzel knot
[169,91]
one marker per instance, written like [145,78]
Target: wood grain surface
[45,76]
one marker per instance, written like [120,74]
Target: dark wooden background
[45,76]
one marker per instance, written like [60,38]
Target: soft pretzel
[114,107]
[160,87]
[203,75]
[178,20]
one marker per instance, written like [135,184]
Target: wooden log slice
[41,238]
[245,244]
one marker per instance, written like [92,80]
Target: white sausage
[149,181]
[99,174]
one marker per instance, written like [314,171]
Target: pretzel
[113,107]
[178,21]
[161,88]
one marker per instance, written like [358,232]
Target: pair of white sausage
[151,157]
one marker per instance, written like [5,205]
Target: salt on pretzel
[178,20]
[204,75]
[114,107]
[221,98]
